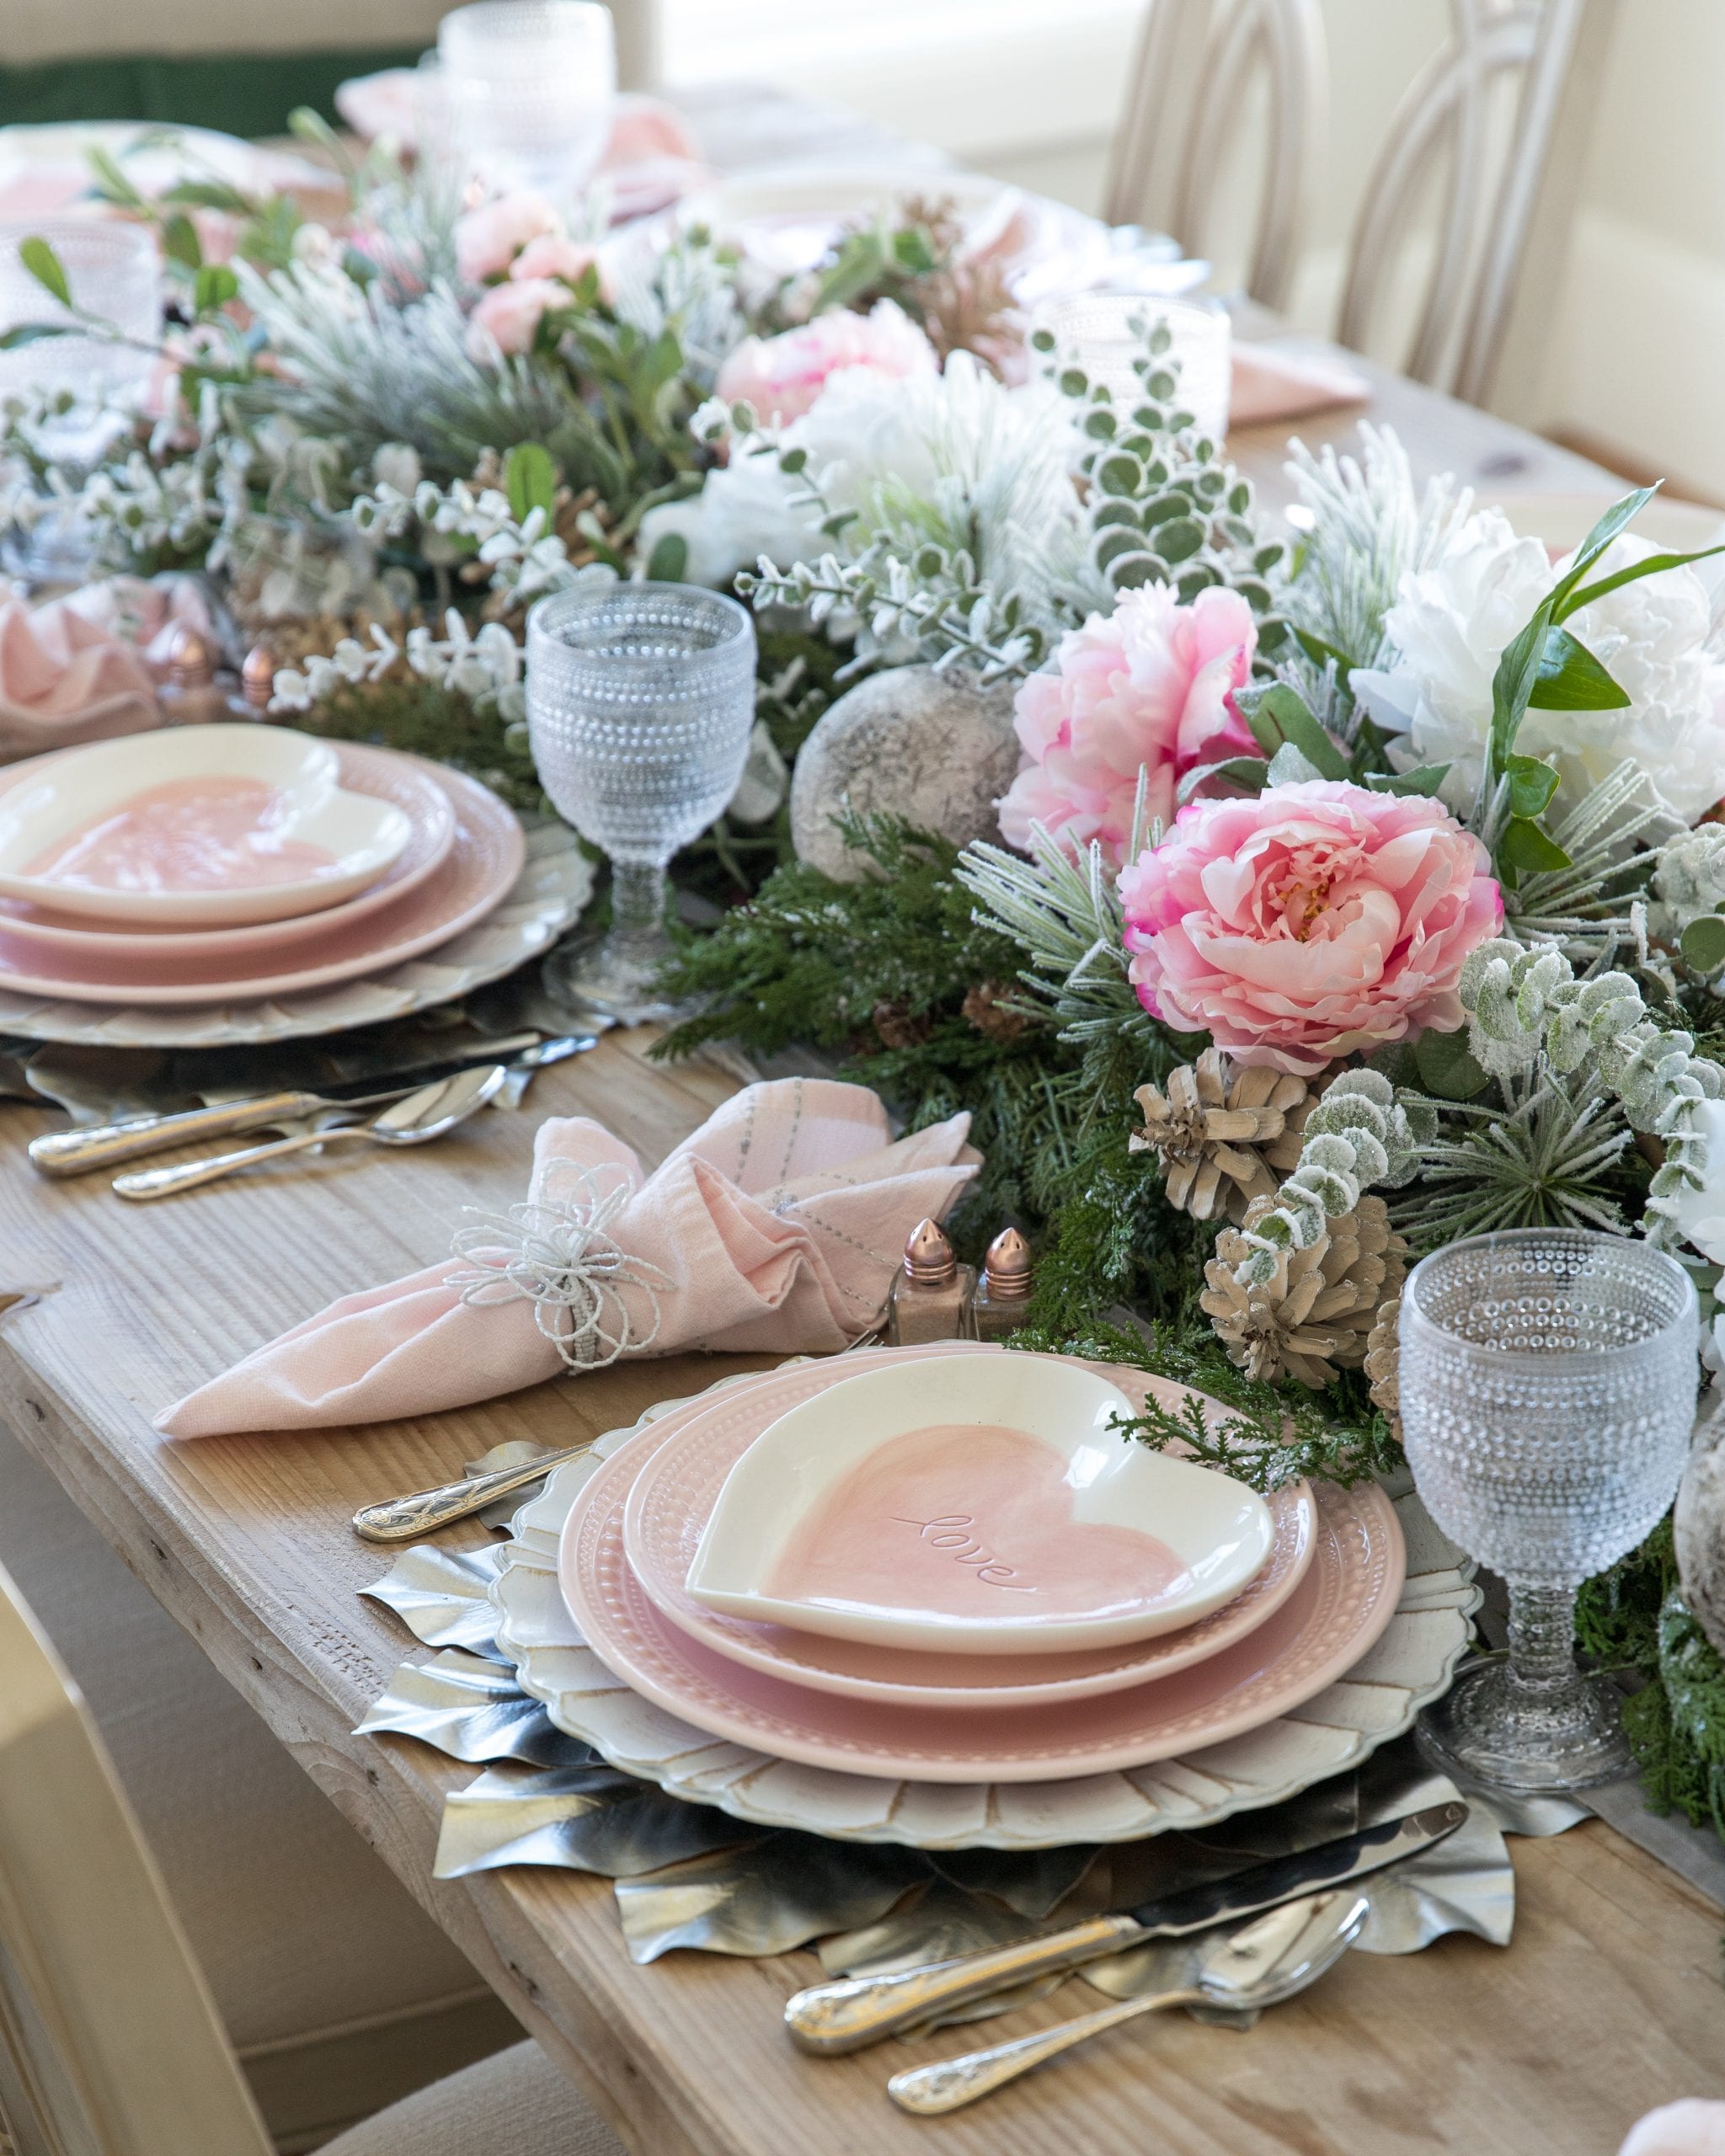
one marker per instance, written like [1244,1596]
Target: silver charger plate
[1410,1664]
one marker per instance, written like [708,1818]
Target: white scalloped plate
[1410,1664]
[555,883]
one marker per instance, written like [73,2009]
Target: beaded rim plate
[1411,1663]
[676,1491]
[554,884]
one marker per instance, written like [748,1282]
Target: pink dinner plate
[384,773]
[484,858]
[672,1497]
[1347,1596]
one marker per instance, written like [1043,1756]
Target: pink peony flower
[782,376]
[1150,685]
[1309,923]
[511,314]
[487,240]
[552,255]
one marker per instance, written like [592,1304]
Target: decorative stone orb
[935,749]
[1699,1528]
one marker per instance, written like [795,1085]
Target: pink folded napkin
[146,613]
[1272,384]
[64,679]
[777,1226]
[1693,2127]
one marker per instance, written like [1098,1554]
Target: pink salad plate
[1336,1612]
[384,774]
[672,1497]
[485,856]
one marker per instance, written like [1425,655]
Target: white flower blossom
[1449,628]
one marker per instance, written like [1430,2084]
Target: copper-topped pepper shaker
[929,1297]
[1001,1302]
[192,695]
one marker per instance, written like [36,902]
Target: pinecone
[1383,1362]
[1315,1312]
[984,1011]
[896,1028]
[1220,1135]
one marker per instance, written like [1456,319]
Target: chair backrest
[109,2044]
[1502,109]
[1180,137]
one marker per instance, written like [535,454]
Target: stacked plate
[228,879]
[938,1574]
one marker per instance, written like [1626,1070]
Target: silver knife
[80,1151]
[857,2010]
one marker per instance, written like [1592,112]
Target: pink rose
[782,376]
[509,315]
[1151,686]
[487,240]
[552,255]
[1313,921]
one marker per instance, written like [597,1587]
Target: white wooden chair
[1503,111]
[1180,142]
[110,2043]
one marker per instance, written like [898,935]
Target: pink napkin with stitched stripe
[64,679]
[777,1226]
[1271,382]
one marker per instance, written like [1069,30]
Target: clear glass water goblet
[1548,1385]
[640,704]
[529,86]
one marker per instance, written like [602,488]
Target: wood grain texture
[1608,2002]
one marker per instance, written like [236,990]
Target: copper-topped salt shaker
[929,1297]
[257,683]
[1001,1303]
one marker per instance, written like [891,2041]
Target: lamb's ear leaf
[1424,780]
[1250,773]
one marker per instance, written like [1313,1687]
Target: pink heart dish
[975,1504]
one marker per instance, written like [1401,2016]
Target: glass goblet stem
[638,910]
[1542,1639]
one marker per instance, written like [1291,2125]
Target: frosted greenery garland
[1523,1005]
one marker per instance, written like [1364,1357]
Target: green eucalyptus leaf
[32,333]
[1424,780]
[669,559]
[180,243]
[111,183]
[1128,571]
[209,194]
[1531,785]
[1570,679]
[214,286]
[530,480]
[1250,773]
[1616,519]
[1446,1068]
[45,265]
[1702,944]
[1651,567]
[1528,849]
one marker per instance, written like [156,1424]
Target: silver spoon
[415,1121]
[405,1519]
[1260,1965]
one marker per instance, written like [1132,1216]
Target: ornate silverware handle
[954,2082]
[405,1519]
[163,1182]
[859,2010]
[79,1152]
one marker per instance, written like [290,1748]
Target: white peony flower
[1699,1214]
[1449,628]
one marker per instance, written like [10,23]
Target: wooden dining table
[1607,2002]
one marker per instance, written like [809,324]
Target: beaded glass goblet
[640,703]
[529,86]
[1548,1385]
